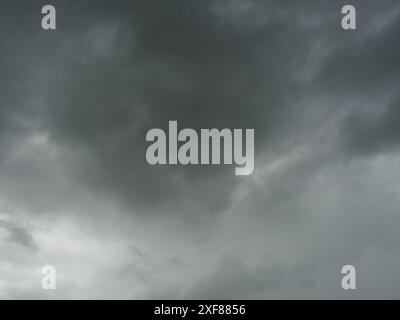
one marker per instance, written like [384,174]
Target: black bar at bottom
[198,309]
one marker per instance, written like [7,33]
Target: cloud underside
[76,190]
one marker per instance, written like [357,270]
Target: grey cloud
[176,61]
[105,81]
[373,131]
[234,279]
[76,104]
[18,234]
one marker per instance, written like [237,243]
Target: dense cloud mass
[76,191]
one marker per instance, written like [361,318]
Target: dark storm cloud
[18,234]
[76,104]
[364,63]
[111,73]
[361,75]
[376,131]
[181,60]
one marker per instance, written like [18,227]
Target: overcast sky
[76,191]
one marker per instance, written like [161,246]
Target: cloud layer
[76,191]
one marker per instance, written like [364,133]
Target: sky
[77,193]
